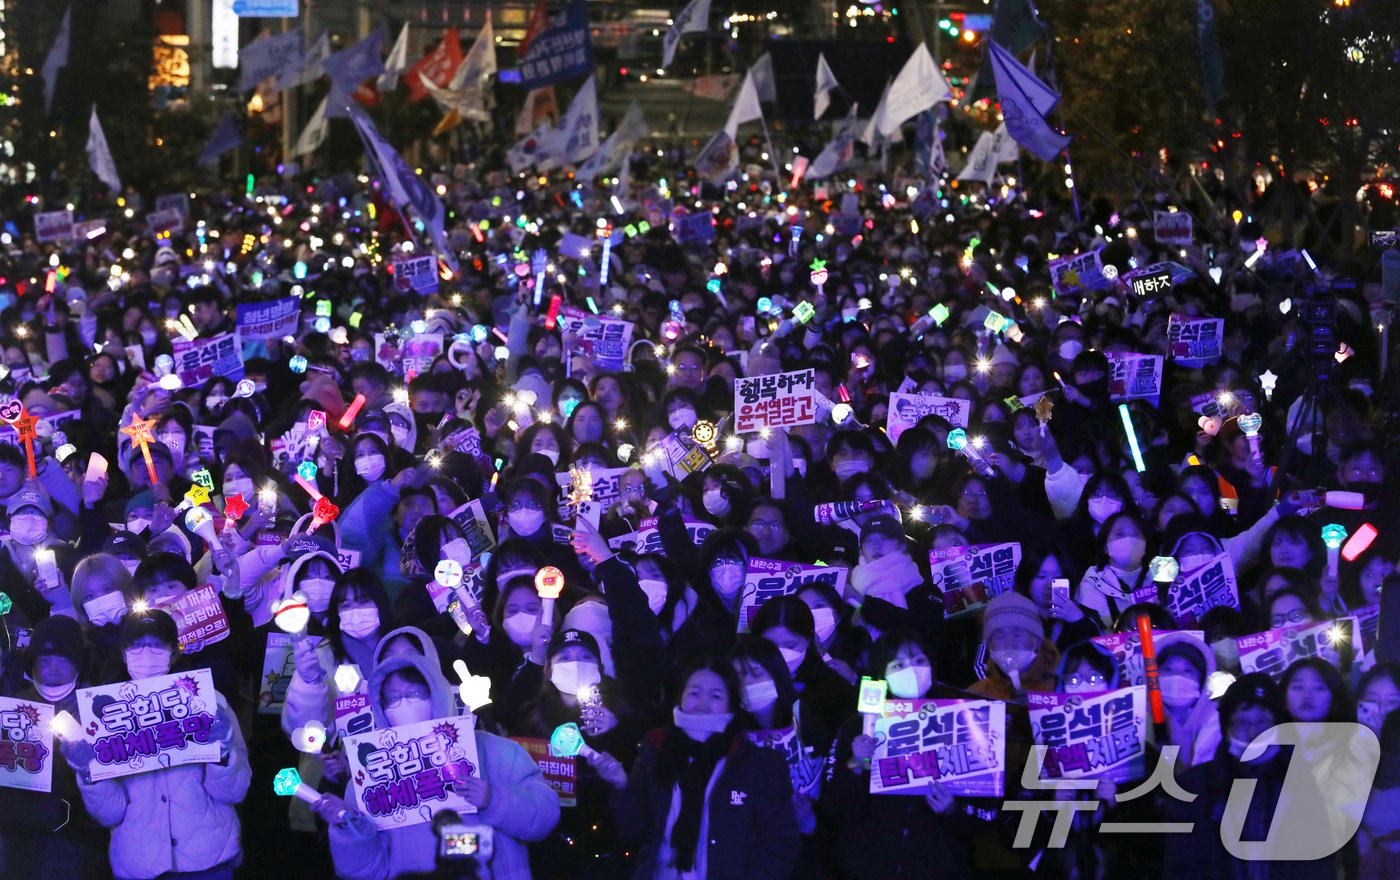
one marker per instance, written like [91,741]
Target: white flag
[826,81]
[870,135]
[693,18]
[1004,145]
[396,63]
[57,59]
[981,162]
[918,87]
[746,107]
[578,132]
[466,93]
[618,146]
[763,78]
[100,157]
[838,152]
[315,132]
[528,150]
[312,69]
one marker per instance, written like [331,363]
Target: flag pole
[383,180]
[772,153]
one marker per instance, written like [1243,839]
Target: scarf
[691,764]
[888,578]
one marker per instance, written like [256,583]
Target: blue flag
[281,55]
[226,136]
[1025,101]
[354,64]
[560,52]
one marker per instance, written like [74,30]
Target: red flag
[539,18]
[367,94]
[438,66]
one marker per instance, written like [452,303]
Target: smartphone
[1059,592]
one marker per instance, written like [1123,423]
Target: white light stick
[65,727]
[475,690]
[48,568]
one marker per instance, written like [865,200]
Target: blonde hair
[104,566]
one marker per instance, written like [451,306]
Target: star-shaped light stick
[24,425]
[140,433]
[324,511]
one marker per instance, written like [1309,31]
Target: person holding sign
[192,806]
[507,790]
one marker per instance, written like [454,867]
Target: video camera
[463,850]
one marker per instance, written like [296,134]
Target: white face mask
[551,454]
[105,609]
[849,468]
[359,623]
[1101,509]
[1070,349]
[701,727]
[136,525]
[409,711]
[1126,552]
[1190,563]
[572,675]
[525,522]
[239,487]
[318,593]
[911,682]
[146,664]
[458,550]
[825,621]
[28,528]
[55,693]
[1179,690]
[656,593]
[716,503]
[800,465]
[520,627]
[792,658]
[759,695]
[682,417]
[370,467]
[728,579]
[399,434]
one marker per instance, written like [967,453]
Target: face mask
[148,337]
[792,658]
[1369,488]
[955,372]
[399,434]
[212,403]
[728,579]
[656,593]
[370,467]
[849,468]
[54,694]
[800,465]
[318,593]
[458,550]
[572,675]
[701,727]
[683,417]
[551,454]
[1014,661]
[520,627]
[1194,561]
[409,711]
[825,621]
[1070,349]
[359,623]
[105,609]
[760,695]
[28,529]
[1126,552]
[1179,690]
[146,664]
[239,487]
[136,525]
[911,682]
[716,503]
[525,522]
[1101,509]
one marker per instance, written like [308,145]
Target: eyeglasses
[970,494]
[414,694]
[147,647]
[1297,615]
[524,505]
[766,525]
[1111,496]
[1093,679]
[687,368]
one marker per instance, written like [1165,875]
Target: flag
[1004,145]
[224,138]
[763,80]
[540,106]
[928,145]
[408,191]
[618,146]
[715,87]
[981,162]
[315,132]
[746,107]
[1015,25]
[356,63]
[397,62]
[539,20]
[837,153]
[279,56]
[526,151]
[311,69]
[826,81]
[1024,102]
[871,134]
[465,95]
[718,157]
[438,65]
[559,51]
[918,87]
[57,59]
[578,132]
[1212,65]
[480,62]
[694,18]
[100,157]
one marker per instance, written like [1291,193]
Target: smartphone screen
[1059,591]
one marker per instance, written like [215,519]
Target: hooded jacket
[1198,734]
[523,808]
[304,701]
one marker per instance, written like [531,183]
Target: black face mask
[1371,489]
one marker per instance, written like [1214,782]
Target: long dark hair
[756,649]
[792,614]
[360,584]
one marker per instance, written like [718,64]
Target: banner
[1134,376]
[268,321]
[53,226]
[605,340]
[199,360]
[151,724]
[1172,228]
[607,490]
[9,436]
[1126,649]
[416,275]
[560,51]
[1195,592]
[402,775]
[559,773]
[697,228]
[647,539]
[278,666]
[476,527]
[679,455]
[970,576]
[280,55]
[1275,650]
[694,18]
[1078,271]
[777,400]
[200,617]
[438,65]
[1194,342]
[804,768]
[905,411]
[1091,736]
[770,578]
[961,743]
[26,748]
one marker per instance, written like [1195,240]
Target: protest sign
[905,411]
[90,229]
[53,226]
[1195,592]
[1126,648]
[1150,284]
[416,275]
[647,539]
[401,776]
[476,526]
[559,773]
[679,455]
[26,748]
[1193,342]
[1077,271]
[1172,227]
[1091,736]
[1134,376]
[178,202]
[961,743]
[1273,651]
[606,485]
[777,400]
[200,618]
[804,768]
[278,666]
[408,356]
[151,724]
[163,224]
[605,340]
[353,715]
[770,578]
[199,360]
[698,228]
[266,321]
[10,436]
[970,576]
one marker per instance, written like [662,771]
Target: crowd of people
[417,486]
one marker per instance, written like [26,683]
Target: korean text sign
[402,775]
[150,724]
[198,360]
[1195,592]
[970,576]
[777,400]
[961,743]
[26,753]
[770,578]
[1192,342]
[1091,736]
[262,321]
[200,618]
[906,410]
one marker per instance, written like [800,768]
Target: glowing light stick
[567,742]
[1044,409]
[475,690]
[292,615]
[287,783]
[552,318]
[1359,542]
[201,522]
[309,738]
[1250,423]
[1129,430]
[65,727]
[1149,667]
[795,241]
[48,568]
[1267,382]
[347,420]
[6,604]
[870,702]
[818,276]
[1333,535]
[1344,500]
[958,442]
[140,433]
[235,507]
[549,581]
[297,363]
[324,511]
[607,256]
[347,678]
[24,425]
[539,261]
[1164,569]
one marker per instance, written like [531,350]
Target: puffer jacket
[523,808]
[176,819]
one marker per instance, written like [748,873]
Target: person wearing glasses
[767,522]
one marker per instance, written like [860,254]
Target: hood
[403,410]
[1185,525]
[1186,639]
[239,428]
[440,692]
[592,618]
[291,572]
[422,639]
